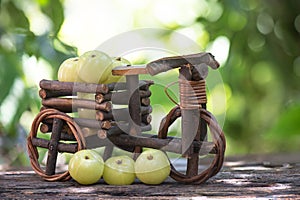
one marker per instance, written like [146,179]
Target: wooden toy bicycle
[126,127]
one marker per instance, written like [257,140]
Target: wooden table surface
[264,176]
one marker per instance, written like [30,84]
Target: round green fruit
[86,167]
[119,170]
[117,61]
[93,66]
[67,71]
[152,167]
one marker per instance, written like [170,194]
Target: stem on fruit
[86,157]
[119,162]
[150,157]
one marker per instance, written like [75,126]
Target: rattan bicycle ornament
[127,127]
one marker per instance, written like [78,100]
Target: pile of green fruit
[87,166]
[151,167]
[91,67]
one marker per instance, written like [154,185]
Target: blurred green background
[260,60]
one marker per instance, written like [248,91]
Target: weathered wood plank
[275,177]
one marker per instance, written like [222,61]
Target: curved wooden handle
[168,63]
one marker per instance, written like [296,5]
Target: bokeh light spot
[278,30]
[248,5]
[256,42]
[261,73]
[297,23]
[218,96]
[236,107]
[265,23]
[220,49]
[297,66]
[236,21]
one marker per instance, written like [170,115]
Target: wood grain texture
[269,177]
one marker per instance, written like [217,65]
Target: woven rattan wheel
[32,149]
[218,139]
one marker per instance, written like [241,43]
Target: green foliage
[16,41]
[260,71]
[284,135]
[54,10]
